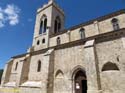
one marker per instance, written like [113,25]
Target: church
[86,58]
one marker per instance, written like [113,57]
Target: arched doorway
[80,82]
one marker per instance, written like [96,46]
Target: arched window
[115,24]
[38,42]
[43,25]
[57,24]
[110,66]
[58,40]
[39,66]
[82,33]
[16,66]
[43,41]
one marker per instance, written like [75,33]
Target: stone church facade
[86,58]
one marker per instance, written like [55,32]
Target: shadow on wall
[1,72]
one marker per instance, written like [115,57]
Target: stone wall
[112,81]
[16,73]
[106,26]
[7,72]
[51,11]
[68,60]
[65,61]
[34,75]
[92,29]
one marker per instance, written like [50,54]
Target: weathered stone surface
[100,56]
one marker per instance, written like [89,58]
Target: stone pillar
[4,74]
[123,41]
[25,69]
[96,25]
[21,71]
[50,84]
[91,67]
[7,72]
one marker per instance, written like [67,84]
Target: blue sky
[17,19]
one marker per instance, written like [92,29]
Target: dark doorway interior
[80,82]
[84,86]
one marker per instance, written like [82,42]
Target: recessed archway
[59,74]
[109,66]
[79,81]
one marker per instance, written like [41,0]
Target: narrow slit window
[115,24]
[43,41]
[43,25]
[57,24]
[41,28]
[82,33]
[16,66]
[58,41]
[39,66]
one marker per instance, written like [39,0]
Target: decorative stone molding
[89,43]
[49,52]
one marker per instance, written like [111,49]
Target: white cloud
[13,20]
[9,15]
[1,18]
[12,12]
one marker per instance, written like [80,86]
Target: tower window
[43,41]
[115,24]
[39,66]
[57,25]
[38,42]
[43,25]
[82,33]
[16,66]
[58,41]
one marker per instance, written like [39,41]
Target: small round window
[38,42]
[43,41]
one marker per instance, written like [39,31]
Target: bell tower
[49,21]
